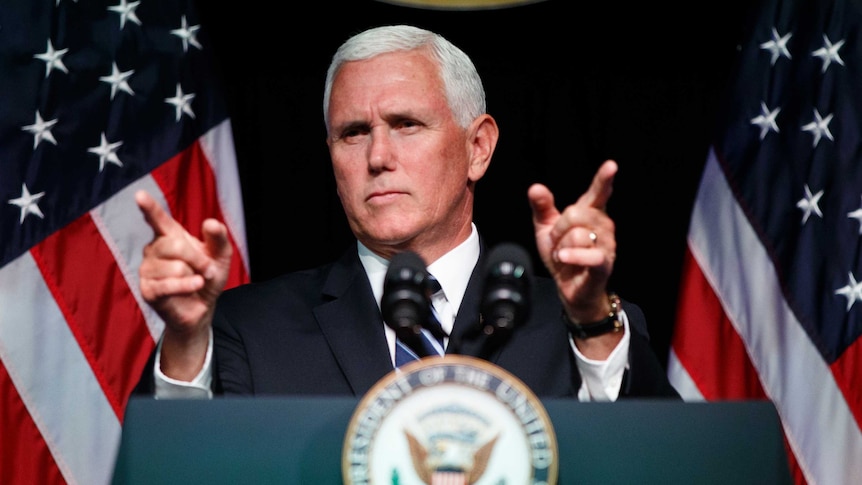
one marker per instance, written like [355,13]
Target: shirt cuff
[197,388]
[601,380]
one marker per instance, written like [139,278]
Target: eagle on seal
[450,456]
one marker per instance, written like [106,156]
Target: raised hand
[578,245]
[181,277]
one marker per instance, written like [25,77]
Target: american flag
[98,98]
[771,295]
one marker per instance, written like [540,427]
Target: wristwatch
[610,324]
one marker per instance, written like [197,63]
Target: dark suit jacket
[320,332]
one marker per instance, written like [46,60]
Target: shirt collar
[452,270]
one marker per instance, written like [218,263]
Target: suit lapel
[467,320]
[352,324]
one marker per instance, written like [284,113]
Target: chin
[396,237]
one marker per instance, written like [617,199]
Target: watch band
[610,324]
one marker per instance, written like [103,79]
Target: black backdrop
[570,84]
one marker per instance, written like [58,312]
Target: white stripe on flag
[681,379]
[54,378]
[217,145]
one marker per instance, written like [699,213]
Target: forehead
[415,65]
[387,80]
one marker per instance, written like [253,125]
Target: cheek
[454,173]
[349,185]
[447,187]
[342,183]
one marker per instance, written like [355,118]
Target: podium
[293,440]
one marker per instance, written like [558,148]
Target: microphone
[505,305]
[406,303]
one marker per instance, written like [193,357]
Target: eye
[351,133]
[408,124]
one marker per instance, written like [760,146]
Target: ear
[482,139]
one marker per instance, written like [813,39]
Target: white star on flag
[107,152]
[182,102]
[29,203]
[819,127]
[41,130]
[829,53]
[53,59]
[117,80]
[127,12]
[766,120]
[777,46]
[853,291]
[809,204]
[187,34]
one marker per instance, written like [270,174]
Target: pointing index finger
[599,192]
[161,222]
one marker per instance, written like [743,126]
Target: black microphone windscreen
[508,280]
[404,304]
[509,259]
[407,267]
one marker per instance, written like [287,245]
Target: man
[409,140]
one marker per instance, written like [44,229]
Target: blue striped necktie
[431,344]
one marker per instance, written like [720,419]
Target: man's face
[401,162]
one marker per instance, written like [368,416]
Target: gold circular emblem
[449,420]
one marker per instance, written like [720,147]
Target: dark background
[570,84]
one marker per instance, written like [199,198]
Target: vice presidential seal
[450,420]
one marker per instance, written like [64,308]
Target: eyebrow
[348,126]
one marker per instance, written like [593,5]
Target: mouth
[383,196]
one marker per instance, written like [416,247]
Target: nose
[381,153]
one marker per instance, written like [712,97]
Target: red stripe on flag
[849,379]
[102,313]
[189,186]
[796,473]
[25,457]
[707,344]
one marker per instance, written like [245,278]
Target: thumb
[545,215]
[542,203]
[217,243]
